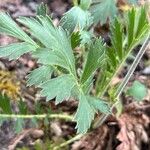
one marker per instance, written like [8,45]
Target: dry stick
[126,79]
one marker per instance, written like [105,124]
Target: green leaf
[86,37]
[84,115]
[9,27]
[125,37]
[59,87]
[42,9]
[103,10]
[137,27]
[56,38]
[14,51]
[142,25]
[5,104]
[117,38]
[87,108]
[85,4]
[40,27]
[99,105]
[39,75]
[137,90]
[131,26]
[76,18]
[48,57]
[95,59]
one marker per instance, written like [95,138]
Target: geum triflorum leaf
[59,87]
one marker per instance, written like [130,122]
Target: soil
[129,131]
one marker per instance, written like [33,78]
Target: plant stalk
[50,116]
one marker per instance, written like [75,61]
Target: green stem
[50,116]
[77,137]
[125,81]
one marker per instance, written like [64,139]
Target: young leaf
[59,87]
[9,27]
[102,10]
[76,18]
[95,59]
[14,51]
[39,75]
[137,90]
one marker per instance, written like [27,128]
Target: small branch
[126,79]
[50,116]
[77,137]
